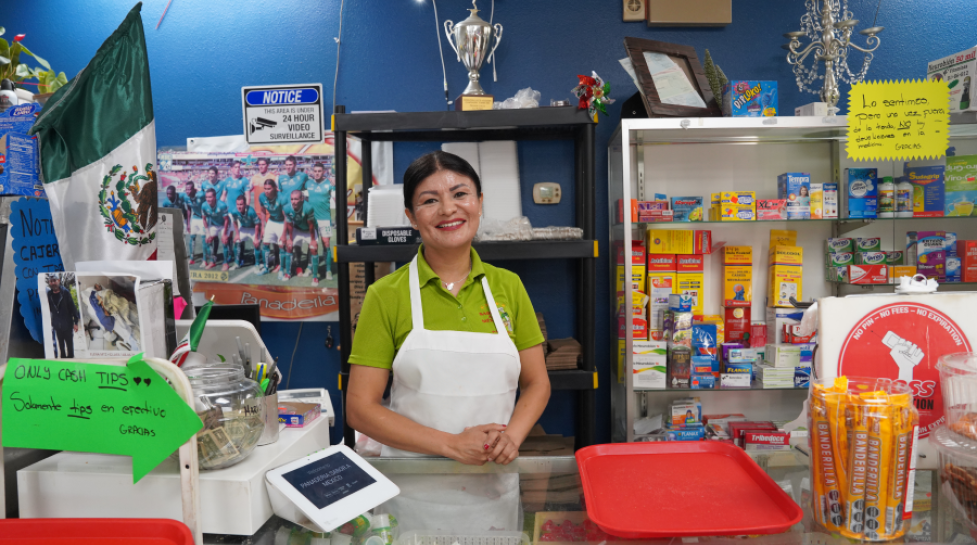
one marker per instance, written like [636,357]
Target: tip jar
[231,408]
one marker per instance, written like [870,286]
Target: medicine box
[657,216]
[795,188]
[639,304]
[817,200]
[687,410]
[671,241]
[692,284]
[637,277]
[738,255]
[702,382]
[776,318]
[961,185]
[959,72]
[660,288]
[953,273]
[687,209]
[928,190]
[750,98]
[783,355]
[786,255]
[649,370]
[863,192]
[637,252]
[737,323]
[830,200]
[784,282]
[771,209]
[627,209]
[930,252]
[839,245]
[734,380]
[967,250]
[783,237]
[689,263]
[680,302]
[715,320]
[297,415]
[639,328]
[951,243]
[870,258]
[868,244]
[737,206]
[691,434]
[898,271]
[839,260]
[896,257]
[868,274]
[737,286]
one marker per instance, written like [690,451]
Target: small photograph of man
[65,317]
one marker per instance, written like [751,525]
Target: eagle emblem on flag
[128,204]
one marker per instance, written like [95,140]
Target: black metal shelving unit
[566,123]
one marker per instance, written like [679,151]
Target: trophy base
[471,103]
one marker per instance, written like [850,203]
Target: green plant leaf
[43,62]
[4,60]
[221,357]
[24,72]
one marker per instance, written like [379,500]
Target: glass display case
[696,157]
[552,505]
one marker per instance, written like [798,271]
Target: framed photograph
[634,10]
[671,80]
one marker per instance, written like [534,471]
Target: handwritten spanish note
[898,120]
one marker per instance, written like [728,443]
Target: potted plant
[13,69]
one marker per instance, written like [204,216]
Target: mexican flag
[192,339]
[97,145]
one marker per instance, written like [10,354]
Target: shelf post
[342,239]
[584,143]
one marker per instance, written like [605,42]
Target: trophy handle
[449,28]
[498,38]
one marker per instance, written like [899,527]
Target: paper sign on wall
[35,250]
[898,120]
[88,407]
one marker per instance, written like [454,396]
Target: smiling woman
[461,337]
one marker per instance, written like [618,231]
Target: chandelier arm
[868,42]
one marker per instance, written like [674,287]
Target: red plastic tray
[94,532]
[681,488]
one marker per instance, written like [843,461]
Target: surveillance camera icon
[259,123]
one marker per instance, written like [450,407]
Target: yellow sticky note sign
[898,120]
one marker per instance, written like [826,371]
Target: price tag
[898,120]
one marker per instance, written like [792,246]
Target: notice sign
[898,120]
[283,114]
[88,407]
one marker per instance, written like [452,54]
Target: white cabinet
[699,156]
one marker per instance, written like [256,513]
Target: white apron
[449,381]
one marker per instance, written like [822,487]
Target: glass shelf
[754,386]
[858,221]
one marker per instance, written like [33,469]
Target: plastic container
[958,382]
[232,409]
[958,473]
[438,538]
[677,489]
[863,434]
[94,532]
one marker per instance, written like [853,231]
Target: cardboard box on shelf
[960,180]
[650,361]
[637,277]
[687,209]
[738,255]
[776,318]
[671,241]
[967,250]
[749,98]
[784,282]
[783,237]
[737,286]
[869,258]
[737,206]
[795,188]
[868,274]
[830,200]
[771,209]
[689,263]
[839,245]
[898,271]
[929,190]
[637,252]
[786,255]
[737,321]
[863,192]
[692,283]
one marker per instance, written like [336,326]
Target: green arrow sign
[88,407]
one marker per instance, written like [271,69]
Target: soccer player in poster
[258,186]
[217,221]
[247,226]
[320,198]
[64,315]
[235,185]
[195,219]
[300,226]
[212,181]
[291,180]
[274,222]
[172,199]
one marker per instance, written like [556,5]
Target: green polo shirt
[385,319]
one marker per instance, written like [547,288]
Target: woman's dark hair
[431,163]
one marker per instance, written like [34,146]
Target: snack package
[863,436]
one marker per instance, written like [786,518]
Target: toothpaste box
[750,98]
[953,269]
[958,71]
[868,244]
[817,200]
[862,192]
[869,258]
[830,200]
[795,188]
[839,260]
[839,245]
[737,206]
[771,209]
[961,185]
[868,274]
[687,209]
[929,190]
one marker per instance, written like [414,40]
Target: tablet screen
[328,480]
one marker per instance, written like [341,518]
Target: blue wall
[204,52]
